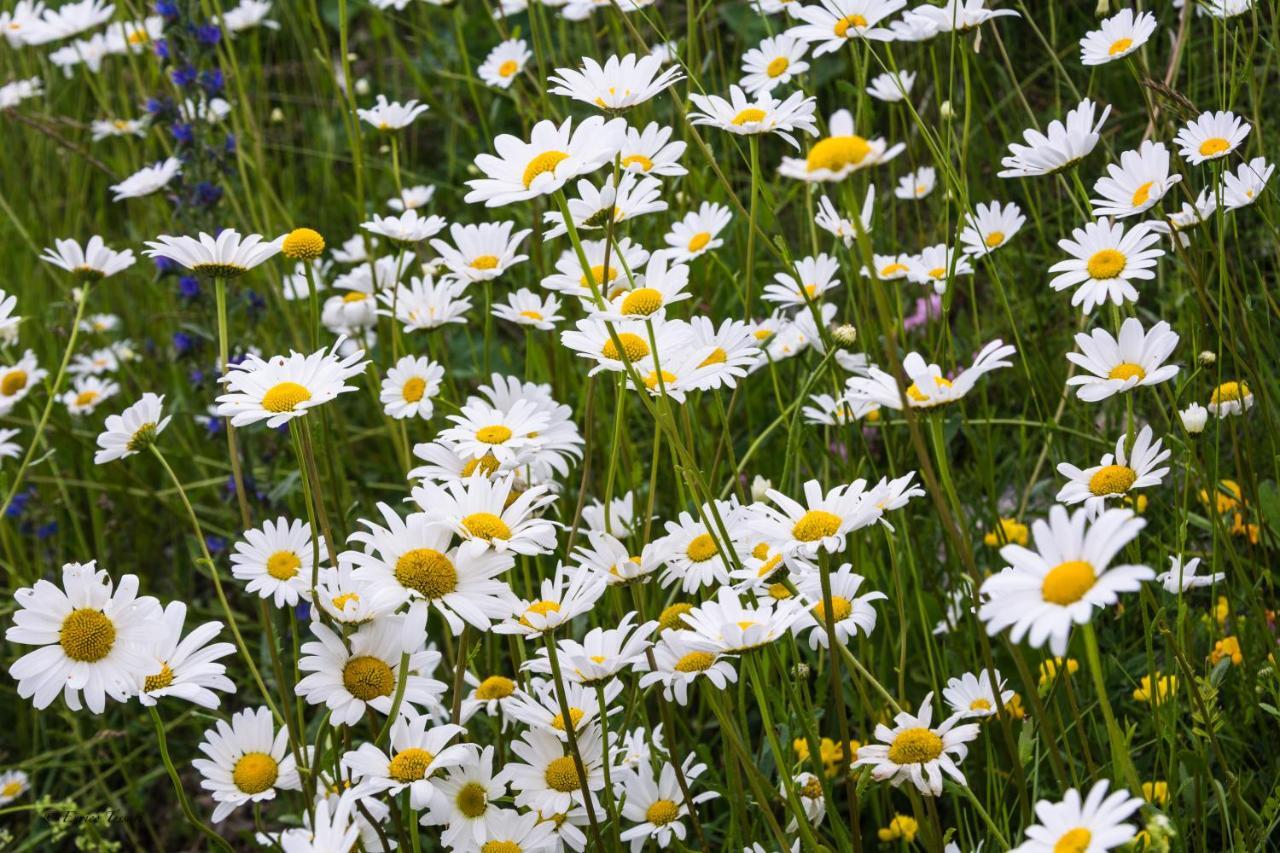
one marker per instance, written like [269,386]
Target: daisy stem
[982,812]
[1119,748]
[313,300]
[311,490]
[588,801]
[53,397]
[264,614]
[837,684]
[402,682]
[217,584]
[865,673]
[216,840]
[459,670]
[609,806]
[224,359]
[754,144]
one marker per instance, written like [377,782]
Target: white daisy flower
[504,63]
[13,783]
[466,799]
[1177,224]
[1182,576]
[1194,418]
[1116,476]
[1211,136]
[286,387]
[532,830]
[889,267]
[651,152]
[827,410]
[185,667]
[725,625]
[812,801]
[417,752]
[698,232]
[9,449]
[840,153]
[484,251]
[409,388]
[679,664]
[990,227]
[94,638]
[661,285]
[733,351]
[493,694]
[1042,593]
[817,275]
[573,278]
[960,14]
[16,24]
[87,393]
[1117,37]
[481,429]
[971,696]
[757,114]
[772,63]
[553,156]
[591,339]
[1094,824]
[1105,261]
[563,597]
[247,15]
[937,265]
[617,518]
[409,227]
[850,612]
[526,308]
[832,23]
[1230,398]
[657,805]
[389,116]
[147,180]
[278,561]
[540,709]
[427,303]
[247,761]
[101,129]
[601,655]
[829,219]
[548,779]
[1135,185]
[1120,364]
[410,198]
[619,84]
[1242,187]
[480,511]
[93,262]
[915,751]
[692,555]
[618,201]
[1060,147]
[355,249]
[918,184]
[354,600]
[892,87]
[226,256]
[131,431]
[17,380]
[822,522]
[928,386]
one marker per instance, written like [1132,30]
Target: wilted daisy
[850,612]
[1042,593]
[131,431]
[974,696]
[278,561]
[504,63]
[657,805]
[761,113]
[959,14]
[17,380]
[1117,37]
[1211,136]
[1116,476]
[185,667]
[936,265]
[1134,185]
[1114,365]
[573,278]
[94,637]
[1230,398]
[990,227]
[698,232]
[94,261]
[367,675]
[553,156]
[772,63]
[147,180]
[409,227]
[829,219]
[831,23]
[1242,187]
[482,252]
[466,801]
[562,598]
[87,393]
[679,663]
[1105,260]
[840,153]
[1094,823]
[226,256]
[1059,147]
[918,184]
[891,87]
[286,387]
[13,784]
[247,761]
[526,308]
[1182,576]
[390,116]
[410,386]
[619,84]
[915,751]
[418,750]
[614,201]
[928,386]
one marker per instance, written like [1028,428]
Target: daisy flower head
[417,751]
[87,393]
[504,63]
[9,449]
[1230,398]
[540,708]
[607,557]
[481,429]
[913,750]
[959,15]
[1059,147]
[616,518]
[1118,364]
[772,63]
[410,198]
[278,561]
[94,638]
[573,278]
[928,388]
[17,380]
[148,179]
[493,694]
[1136,184]
[592,339]
[826,410]
[974,695]
[13,783]
[562,598]
[1182,576]
[92,262]
[229,255]
[732,351]
[656,806]
[1117,475]
[661,285]
[850,612]
[185,667]
[466,801]
[553,156]
[730,624]
[407,228]
[889,267]
[410,386]
[1092,823]
[353,600]
[546,778]
[132,431]
[758,114]
[892,87]
[831,220]
[698,232]
[602,653]
[840,153]
[532,830]
[822,522]
[1105,261]
[427,303]
[348,681]
[679,663]
[817,275]
[483,252]
[616,201]
[918,184]
[286,387]
[1194,418]
[1211,136]
[830,24]
[990,226]
[620,84]
[1117,37]
[938,264]
[1242,187]
[482,511]
[108,128]
[526,308]
[247,761]
[692,555]
[1042,593]
[390,116]
[651,151]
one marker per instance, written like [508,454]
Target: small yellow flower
[902,828]
[1013,708]
[1227,647]
[1165,685]
[1221,610]
[1239,528]
[1011,531]
[1156,792]
[303,244]
[1049,669]
[1226,497]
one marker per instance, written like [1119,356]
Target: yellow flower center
[1127,370]
[842,26]
[501,847]
[562,775]
[84,398]
[673,617]
[938,272]
[354,296]
[426,571]
[11,789]
[410,765]
[662,812]
[695,662]
[835,153]
[413,389]
[532,315]
[1142,194]
[87,635]
[892,269]
[718,356]
[495,687]
[1067,582]
[508,68]
[1214,146]
[1074,841]
[632,344]
[1229,392]
[816,524]
[701,548]
[160,680]
[255,772]
[699,241]
[541,608]
[642,301]
[1119,46]
[485,262]
[651,381]
[637,160]
[979,705]
[304,244]
[841,609]
[367,677]
[1112,480]
[914,392]
[812,789]
[283,565]
[340,601]
[599,275]
[575,714]
[778,67]
[494,434]
[13,382]
[284,397]
[472,800]
[751,115]
[779,591]
[544,163]
[486,464]
[486,526]
[995,238]
[915,746]
[1108,263]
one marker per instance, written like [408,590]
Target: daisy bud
[277,116]
[1194,418]
[759,486]
[844,334]
[1207,358]
[362,86]
[1104,8]
[801,670]
[303,244]
[945,111]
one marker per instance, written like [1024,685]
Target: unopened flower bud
[1207,358]
[759,486]
[844,334]
[1194,418]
